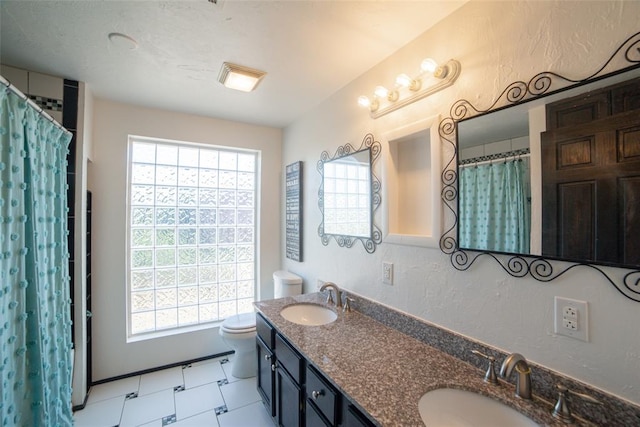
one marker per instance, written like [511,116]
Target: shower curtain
[35,321]
[494,211]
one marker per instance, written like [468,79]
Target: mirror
[349,195]
[533,179]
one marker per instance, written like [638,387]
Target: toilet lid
[240,322]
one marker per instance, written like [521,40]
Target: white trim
[143,336]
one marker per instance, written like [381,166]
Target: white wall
[496,43]
[113,122]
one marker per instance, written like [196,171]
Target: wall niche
[411,184]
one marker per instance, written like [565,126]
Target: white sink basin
[308,314]
[457,408]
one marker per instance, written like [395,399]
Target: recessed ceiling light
[240,78]
[123,41]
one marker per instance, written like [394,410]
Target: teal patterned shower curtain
[35,331]
[494,210]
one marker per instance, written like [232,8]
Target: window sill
[169,332]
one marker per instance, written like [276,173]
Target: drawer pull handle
[316,394]
[267,357]
[273,367]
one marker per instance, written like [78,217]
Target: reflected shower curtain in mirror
[495,213]
[35,321]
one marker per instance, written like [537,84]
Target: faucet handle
[330,296]
[347,303]
[490,377]
[561,410]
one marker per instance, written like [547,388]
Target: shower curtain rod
[497,160]
[39,110]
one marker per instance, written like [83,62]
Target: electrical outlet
[571,318]
[387,273]
[569,312]
[571,325]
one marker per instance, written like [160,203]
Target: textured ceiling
[310,49]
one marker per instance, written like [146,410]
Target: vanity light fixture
[382,92]
[431,79]
[364,101]
[239,77]
[404,80]
[428,65]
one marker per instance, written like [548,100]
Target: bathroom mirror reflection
[349,194]
[494,203]
[557,177]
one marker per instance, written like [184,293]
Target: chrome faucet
[336,289]
[523,380]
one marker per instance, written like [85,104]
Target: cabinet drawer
[265,331]
[288,358]
[322,395]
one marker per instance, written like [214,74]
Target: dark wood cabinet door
[289,400]
[591,190]
[313,418]
[266,376]
[354,418]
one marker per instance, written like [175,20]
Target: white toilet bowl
[239,332]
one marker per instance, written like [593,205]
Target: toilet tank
[286,284]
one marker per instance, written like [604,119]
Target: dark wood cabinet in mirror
[550,171]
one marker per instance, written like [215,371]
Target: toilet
[286,284]
[239,331]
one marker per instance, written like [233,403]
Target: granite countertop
[384,371]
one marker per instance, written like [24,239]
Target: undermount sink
[308,314]
[457,408]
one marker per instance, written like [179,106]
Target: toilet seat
[239,324]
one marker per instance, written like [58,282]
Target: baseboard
[82,405]
[159,368]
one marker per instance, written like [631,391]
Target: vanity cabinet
[280,376]
[266,377]
[293,391]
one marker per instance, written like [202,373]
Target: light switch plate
[571,318]
[387,273]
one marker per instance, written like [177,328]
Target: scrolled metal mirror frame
[540,85]
[368,142]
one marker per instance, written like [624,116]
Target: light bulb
[403,80]
[364,101]
[406,81]
[429,65]
[381,92]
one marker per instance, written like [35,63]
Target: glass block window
[192,234]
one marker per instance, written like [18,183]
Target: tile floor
[203,394]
